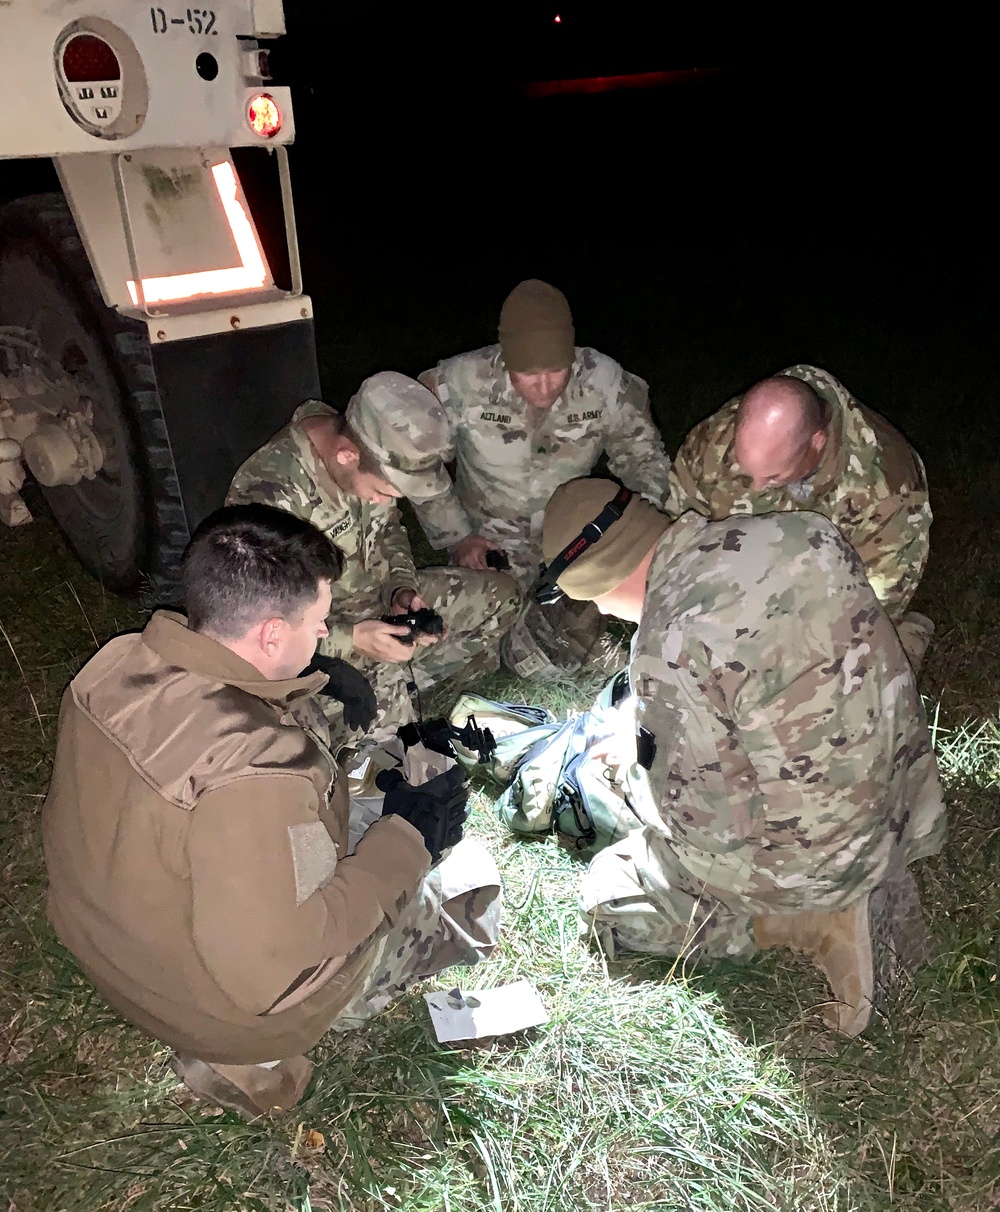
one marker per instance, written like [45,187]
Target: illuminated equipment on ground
[152,332]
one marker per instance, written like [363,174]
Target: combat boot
[915,633]
[853,948]
[249,1090]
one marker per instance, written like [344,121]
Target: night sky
[813,182]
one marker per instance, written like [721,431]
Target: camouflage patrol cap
[619,551]
[404,428]
[536,328]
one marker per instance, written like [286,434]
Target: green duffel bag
[515,728]
[564,779]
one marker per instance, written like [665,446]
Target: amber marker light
[250,274]
[264,116]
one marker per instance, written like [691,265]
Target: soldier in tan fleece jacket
[195,830]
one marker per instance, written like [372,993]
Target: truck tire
[128,521]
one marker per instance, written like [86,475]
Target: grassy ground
[650,1087]
[636,1090]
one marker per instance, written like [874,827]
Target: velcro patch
[314,858]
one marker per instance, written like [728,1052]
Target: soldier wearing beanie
[790,765]
[524,416]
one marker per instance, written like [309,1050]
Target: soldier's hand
[404,601]
[470,552]
[347,686]
[436,809]
[381,641]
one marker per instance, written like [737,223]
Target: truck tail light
[264,116]
[87,57]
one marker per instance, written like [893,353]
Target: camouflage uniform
[793,767]
[510,458]
[477,607]
[453,917]
[870,483]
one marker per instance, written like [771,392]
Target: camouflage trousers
[477,608]
[915,633]
[672,914]
[454,918]
[638,895]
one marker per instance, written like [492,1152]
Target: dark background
[820,197]
[819,193]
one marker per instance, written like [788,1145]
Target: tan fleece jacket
[194,837]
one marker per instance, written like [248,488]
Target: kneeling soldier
[339,472]
[790,766]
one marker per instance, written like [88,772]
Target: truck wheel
[128,519]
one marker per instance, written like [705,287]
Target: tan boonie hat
[536,328]
[616,554]
[405,429]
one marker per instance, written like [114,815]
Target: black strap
[645,745]
[587,537]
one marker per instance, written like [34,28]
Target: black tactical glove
[436,809]
[347,686]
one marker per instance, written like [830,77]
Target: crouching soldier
[790,766]
[800,440]
[196,830]
[339,471]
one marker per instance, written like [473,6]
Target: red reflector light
[87,57]
[264,116]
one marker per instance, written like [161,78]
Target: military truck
[153,327]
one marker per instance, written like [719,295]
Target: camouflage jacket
[870,483]
[510,458]
[288,474]
[793,763]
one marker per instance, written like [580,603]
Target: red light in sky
[607,84]
[557,19]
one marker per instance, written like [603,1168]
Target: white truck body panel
[161,99]
[185,216]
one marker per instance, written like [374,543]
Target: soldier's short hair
[813,412]
[249,563]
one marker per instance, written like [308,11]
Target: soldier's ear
[270,635]
[819,441]
[348,454]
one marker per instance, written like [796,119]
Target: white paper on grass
[481,1012]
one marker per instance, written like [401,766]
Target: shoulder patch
[314,858]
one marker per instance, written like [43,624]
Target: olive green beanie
[616,554]
[536,328]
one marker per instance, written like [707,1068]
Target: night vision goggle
[547,591]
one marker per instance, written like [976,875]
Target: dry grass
[718,1090]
